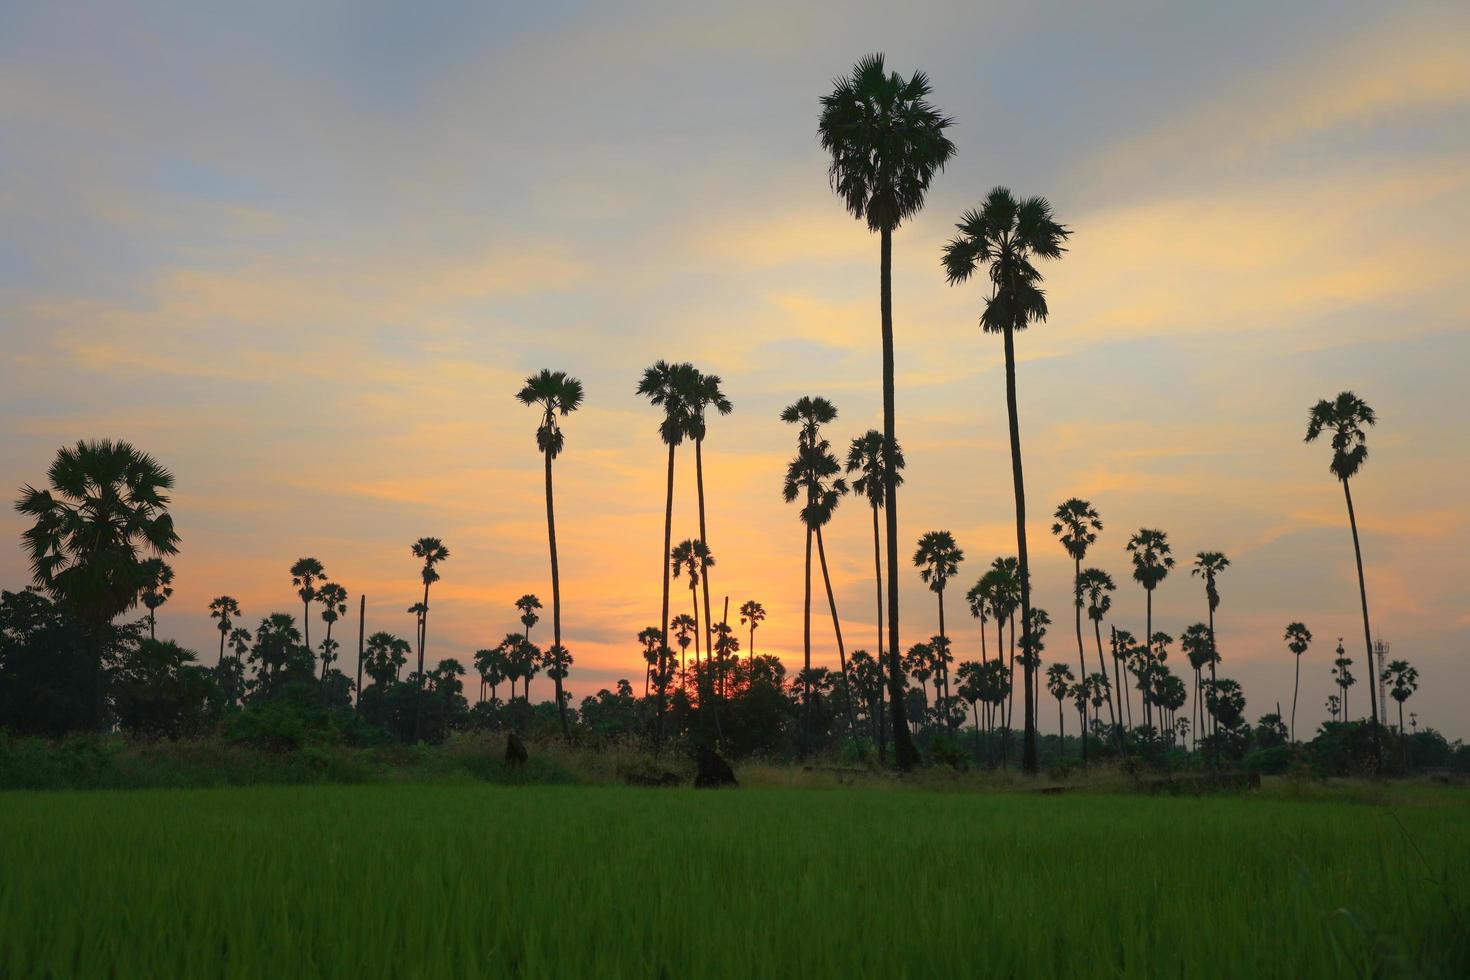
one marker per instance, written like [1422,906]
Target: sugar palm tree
[1095,586]
[431,552]
[1298,639]
[1195,642]
[938,560]
[754,614]
[812,477]
[866,458]
[886,143]
[225,610]
[333,598]
[1405,681]
[305,573]
[158,587]
[555,395]
[105,507]
[691,556]
[664,385]
[528,606]
[1007,236]
[1151,563]
[1059,684]
[702,394]
[1076,526]
[977,599]
[1347,417]
[684,627]
[1208,565]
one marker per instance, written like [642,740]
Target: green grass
[476,880]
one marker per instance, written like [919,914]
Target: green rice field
[557,881]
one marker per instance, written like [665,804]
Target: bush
[1268,762]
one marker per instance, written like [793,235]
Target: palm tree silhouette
[701,394]
[886,143]
[692,557]
[1298,639]
[812,475]
[1151,563]
[557,395]
[333,598]
[1076,527]
[158,578]
[754,613]
[938,560]
[431,552]
[1094,585]
[226,610]
[866,458]
[1059,681]
[304,575]
[1208,565]
[684,627]
[664,385]
[1347,417]
[527,605]
[1405,681]
[1007,235]
[1196,644]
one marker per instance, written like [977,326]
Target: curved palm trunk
[561,707]
[1081,656]
[1028,750]
[1103,666]
[361,623]
[418,702]
[1367,632]
[664,561]
[709,624]
[1296,688]
[837,630]
[806,642]
[878,580]
[905,754]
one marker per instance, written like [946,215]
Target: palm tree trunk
[837,629]
[306,622]
[1028,750]
[221,662]
[806,643]
[1296,688]
[906,755]
[944,666]
[561,708]
[878,580]
[1367,632]
[1103,665]
[1081,656]
[709,624]
[664,561]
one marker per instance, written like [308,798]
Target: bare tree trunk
[709,624]
[1296,689]
[559,657]
[1367,632]
[1028,749]
[664,620]
[1081,656]
[837,629]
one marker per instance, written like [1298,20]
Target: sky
[305,254]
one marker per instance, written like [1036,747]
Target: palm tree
[702,393]
[304,575]
[978,601]
[1007,236]
[1347,417]
[1059,683]
[333,598]
[1195,642]
[1151,563]
[527,605]
[556,394]
[938,560]
[664,385]
[684,627]
[159,577]
[1298,639]
[754,613]
[431,552]
[1405,681]
[813,474]
[886,142]
[1076,527]
[1094,585]
[866,458]
[693,557]
[1208,565]
[226,610]
[1341,670]
[106,505]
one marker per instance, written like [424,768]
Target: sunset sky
[306,256]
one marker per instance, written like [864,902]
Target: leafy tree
[1343,676]
[224,610]
[1405,681]
[44,648]
[1195,642]
[160,691]
[1008,236]
[159,577]
[886,143]
[557,395]
[684,627]
[384,656]
[1076,526]
[938,560]
[1298,639]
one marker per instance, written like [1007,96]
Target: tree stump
[515,752]
[714,771]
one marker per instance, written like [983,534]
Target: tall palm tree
[754,613]
[527,605]
[557,395]
[431,552]
[1298,639]
[305,573]
[226,610]
[1208,565]
[938,560]
[1195,642]
[1076,527]
[812,475]
[1405,681]
[664,385]
[159,576]
[1152,560]
[866,458]
[702,394]
[333,598]
[693,557]
[1094,585]
[1059,684]
[886,142]
[978,601]
[684,627]
[1007,236]
[1347,418]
